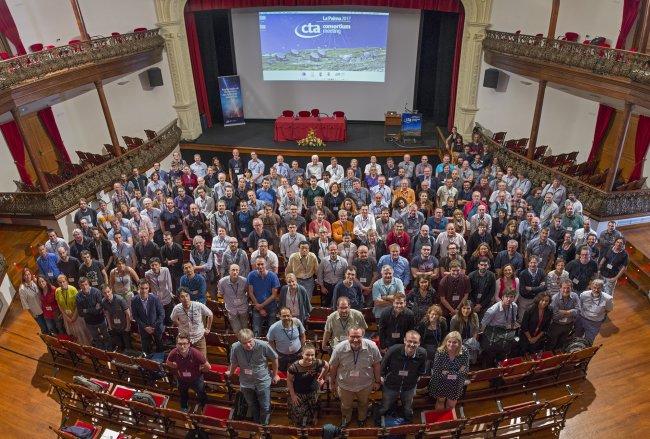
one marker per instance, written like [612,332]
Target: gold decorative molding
[599,60]
[65,198]
[34,66]
[171,20]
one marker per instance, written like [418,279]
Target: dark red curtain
[47,119]
[603,120]
[9,29]
[641,144]
[436,5]
[16,148]
[630,11]
[197,67]
[206,5]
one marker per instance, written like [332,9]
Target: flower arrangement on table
[311,141]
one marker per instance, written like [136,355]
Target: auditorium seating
[338,113]
[287,113]
[113,404]
[304,113]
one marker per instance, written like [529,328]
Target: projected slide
[323,46]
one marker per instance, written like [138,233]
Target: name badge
[248,371]
[609,266]
[570,229]
[395,334]
[403,373]
[48,308]
[243,229]
[499,235]
[237,301]
[236,170]
[194,293]
[292,349]
[354,373]
[575,281]
[117,321]
[452,376]
[187,374]
[71,279]
[199,231]
[455,298]
[50,274]
[362,280]
[172,226]
[94,283]
[144,261]
[479,295]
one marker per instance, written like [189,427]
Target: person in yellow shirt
[66,298]
[405,192]
[341,226]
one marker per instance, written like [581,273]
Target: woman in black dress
[432,329]
[567,249]
[304,379]
[466,322]
[421,298]
[449,371]
[535,324]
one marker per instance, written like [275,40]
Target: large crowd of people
[460,263]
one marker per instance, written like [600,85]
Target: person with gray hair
[202,258]
[510,256]
[594,306]
[252,356]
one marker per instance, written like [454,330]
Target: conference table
[330,129]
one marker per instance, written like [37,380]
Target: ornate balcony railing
[599,60]
[598,203]
[65,198]
[36,65]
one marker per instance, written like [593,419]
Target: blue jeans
[270,318]
[259,403]
[389,397]
[100,337]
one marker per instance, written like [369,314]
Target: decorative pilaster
[172,28]
[477,18]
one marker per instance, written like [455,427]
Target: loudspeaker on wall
[491,78]
[154,76]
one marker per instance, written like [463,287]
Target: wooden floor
[615,401]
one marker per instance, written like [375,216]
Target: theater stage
[361,137]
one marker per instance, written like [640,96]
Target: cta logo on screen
[307,30]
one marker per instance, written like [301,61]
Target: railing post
[620,143]
[537,115]
[31,152]
[109,120]
[83,33]
[553,21]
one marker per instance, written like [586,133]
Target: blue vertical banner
[232,102]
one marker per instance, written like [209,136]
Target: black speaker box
[155,77]
[491,78]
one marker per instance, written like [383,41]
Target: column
[553,21]
[172,28]
[109,120]
[620,142]
[537,115]
[31,152]
[83,33]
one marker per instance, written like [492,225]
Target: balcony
[618,74]
[599,204]
[29,78]
[64,198]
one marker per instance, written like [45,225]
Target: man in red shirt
[401,238]
[189,364]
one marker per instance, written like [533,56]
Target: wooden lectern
[392,126]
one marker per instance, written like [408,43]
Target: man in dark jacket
[531,282]
[149,314]
[401,368]
[394,322]
[482,287]
[89,307]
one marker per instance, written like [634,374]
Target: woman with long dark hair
[432,329]
[467,323]
[304,379]
[51,310]
[535,324]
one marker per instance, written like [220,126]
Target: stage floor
[361,136]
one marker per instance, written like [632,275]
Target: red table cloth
[330,129]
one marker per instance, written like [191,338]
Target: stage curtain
[16,147]
[47,119]
[630,11]
[197,67]
[456,66]
[435,5]
[641,144]
[8,28]
[603,120]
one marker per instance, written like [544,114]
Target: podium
[392,126]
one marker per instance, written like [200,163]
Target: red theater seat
[315,112]
[304,113]
[217,412]
[338,114]
[287,113]
[4,55]
[140,29]
[36,47]
[433,416]
[571,36]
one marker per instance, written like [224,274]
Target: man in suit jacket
[149,314]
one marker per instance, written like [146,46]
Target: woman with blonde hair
[449,371]
[460,223]
[482,251]
[66,298]
[432,329]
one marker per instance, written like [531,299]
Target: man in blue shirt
[194,282]
[400,264]
[47,264]
[263,288]
[266,193]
